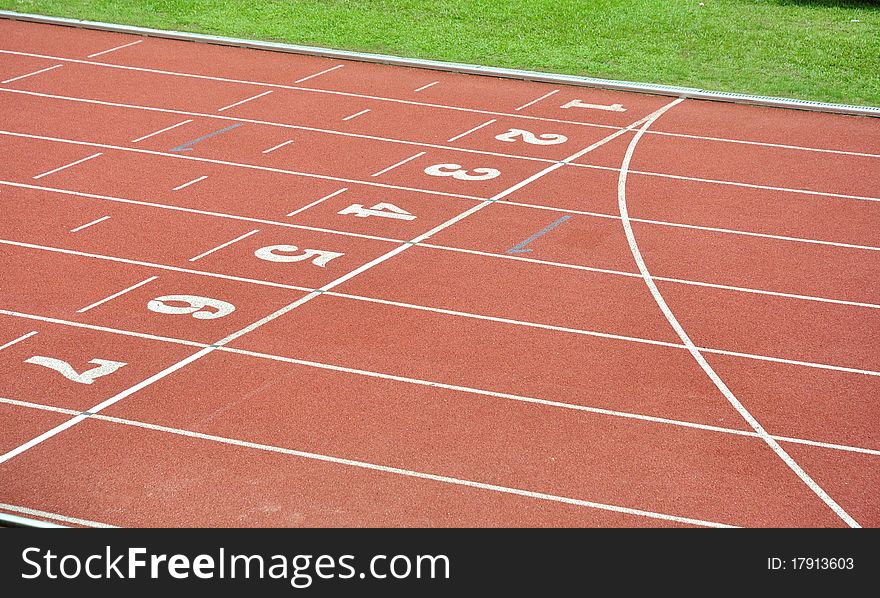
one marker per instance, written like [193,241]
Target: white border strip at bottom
[670,90]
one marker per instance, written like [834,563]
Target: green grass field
[809,49]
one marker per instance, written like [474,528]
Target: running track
[246,288]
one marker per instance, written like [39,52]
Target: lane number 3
[457,172]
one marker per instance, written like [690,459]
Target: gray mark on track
[520,247]
[187,147]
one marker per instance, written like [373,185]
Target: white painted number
[281,253]
[580,104]
[529,137]
[202,308]
[102,367]
[457,172]
[385,210]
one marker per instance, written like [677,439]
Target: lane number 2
[201,308]
[529,137]
[457,172]
[103,367]
[287,254]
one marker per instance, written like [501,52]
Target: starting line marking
[469,131]
[60,168]
[319,73]
[226,244]
[279,146]
[18,340]
[520,247]
[356,114]
[192,182]
[115,295]
[32,74]
[88,224]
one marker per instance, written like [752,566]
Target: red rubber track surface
[471,350]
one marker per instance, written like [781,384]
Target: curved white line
[694,351]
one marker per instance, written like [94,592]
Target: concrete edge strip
[670,90]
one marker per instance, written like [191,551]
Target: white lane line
[60,168]
[179,156]
[17,340]
[49,68]
[356,114]
[692,348]
[535,101]
[404,161]
[373,466]
[88,224]
[424,87]
[319,73]
[731,183]
[223,245]
[115,295]
[469,131]
[279,146]
[435,384]
[147,136]
[114,49]
[49,515]
[239,103]
[192,182]
[317,201]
